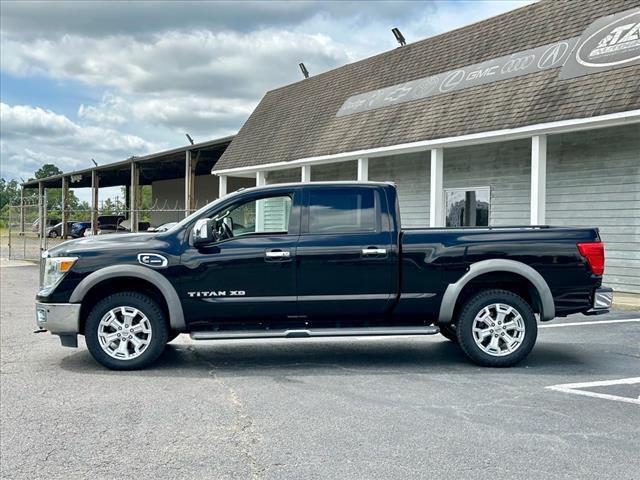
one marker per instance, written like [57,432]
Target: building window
[467,207]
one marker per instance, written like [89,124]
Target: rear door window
[342,210]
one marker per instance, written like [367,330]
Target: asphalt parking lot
[345,408]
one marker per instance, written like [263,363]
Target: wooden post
[65,207]
[305,174]
[261,179]
[189,180]
[134,200]
[538,179]
[436,202]
[22,210]
[363,169]
[222,186]
[40,209]
[95,185]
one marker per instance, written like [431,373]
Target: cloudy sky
[107,80]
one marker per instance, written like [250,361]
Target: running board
[315,332]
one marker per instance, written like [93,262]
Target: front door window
[265,215]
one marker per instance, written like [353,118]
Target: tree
[9,192]
[47,170]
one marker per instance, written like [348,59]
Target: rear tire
[126,331]
[449,332]
[496,328]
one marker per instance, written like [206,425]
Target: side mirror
[228,221]
[203,232]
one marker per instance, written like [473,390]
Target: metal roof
[118,173]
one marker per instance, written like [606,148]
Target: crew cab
[317,260]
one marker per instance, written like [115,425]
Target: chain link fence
[22,237]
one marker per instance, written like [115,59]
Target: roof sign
[607,43]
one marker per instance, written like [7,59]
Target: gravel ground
[345,408]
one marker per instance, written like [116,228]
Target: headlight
[54,270]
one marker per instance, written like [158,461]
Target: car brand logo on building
[607,43]
[553,56]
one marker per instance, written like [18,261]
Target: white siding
[334,172]
[504,167]
[593,179]
[283,176]
[410,173]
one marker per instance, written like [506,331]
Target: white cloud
[32,136]
[159,69]
[22,120]
[224,64]
[111,111]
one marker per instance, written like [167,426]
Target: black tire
[157,321]
[53,234]
[449,332]
[465,328]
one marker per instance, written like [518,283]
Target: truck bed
[433,258]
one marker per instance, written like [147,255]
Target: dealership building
[528,118]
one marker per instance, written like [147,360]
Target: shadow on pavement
[334,357]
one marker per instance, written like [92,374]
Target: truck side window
[265,215]
[342,211]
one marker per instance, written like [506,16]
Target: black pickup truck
[317,260]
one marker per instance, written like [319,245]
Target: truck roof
[353,183]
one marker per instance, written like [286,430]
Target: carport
[183,164]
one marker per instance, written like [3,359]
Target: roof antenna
[304,70]
[94,162]
[189,138]
[399,36]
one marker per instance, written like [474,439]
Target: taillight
[594,253]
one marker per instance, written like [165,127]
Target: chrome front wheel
[124,333]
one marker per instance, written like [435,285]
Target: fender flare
[451,294]
[176,315]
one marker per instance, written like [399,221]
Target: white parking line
[576,389]
[601,322]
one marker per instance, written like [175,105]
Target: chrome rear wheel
[498,329]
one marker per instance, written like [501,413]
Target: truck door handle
[278,254]
[374,251]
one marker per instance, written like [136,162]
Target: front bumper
[58,318]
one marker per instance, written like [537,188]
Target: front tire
[126,331]
[448,331]
[496,328]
